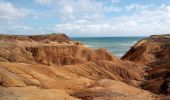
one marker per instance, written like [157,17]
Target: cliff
[48,37]
[155,53]
[35,63]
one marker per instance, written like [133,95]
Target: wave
[87,45]
[117,46]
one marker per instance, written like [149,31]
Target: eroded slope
[56,62]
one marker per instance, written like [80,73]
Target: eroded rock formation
[155,53]
[29,63]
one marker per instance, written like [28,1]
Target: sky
[85,18]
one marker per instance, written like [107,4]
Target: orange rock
[56,62]
[154,52]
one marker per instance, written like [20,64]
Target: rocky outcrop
[155,53]
[55,62]
[50,53]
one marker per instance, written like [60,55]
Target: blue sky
[85,17]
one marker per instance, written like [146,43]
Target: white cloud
[87,18]
[138,7]
[77,9]
[22,27]
[9,12]
[115,1]
[44,2]
[11,18]
[143,22]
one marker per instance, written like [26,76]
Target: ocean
[116,45]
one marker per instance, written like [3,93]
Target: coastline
[69,68]
[116,45]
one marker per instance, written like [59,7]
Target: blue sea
[116,45]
